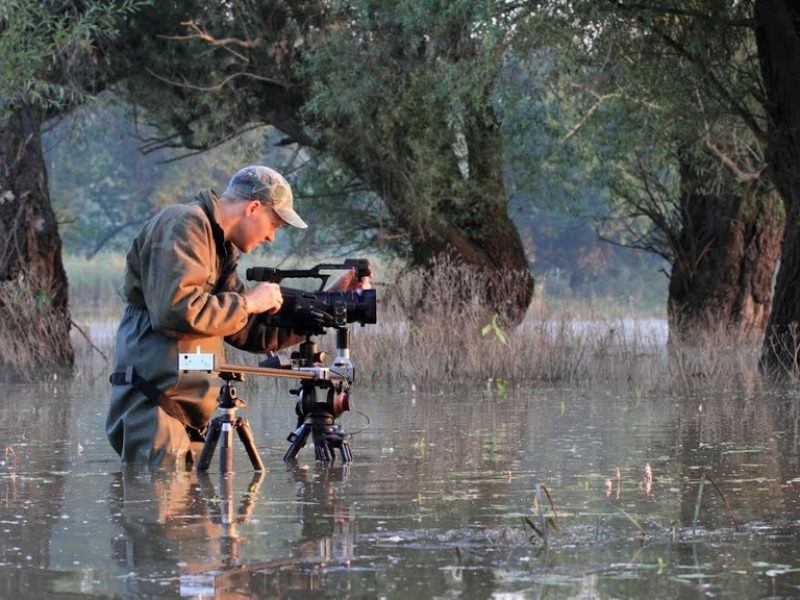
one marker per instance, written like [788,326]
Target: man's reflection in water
[179,535]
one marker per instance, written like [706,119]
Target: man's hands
[347,282]
[264,298]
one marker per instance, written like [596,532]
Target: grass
[440,344]
[30,321]
[94,286]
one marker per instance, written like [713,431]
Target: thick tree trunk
[468,225]
[728,249]
[34,312]
[478,232]
[778,38]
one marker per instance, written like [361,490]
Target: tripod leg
[322,449]
[207,453]
[246,436]
[347,456]
[226,449]
[298,440]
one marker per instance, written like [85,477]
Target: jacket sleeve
[179,272]
[257,336]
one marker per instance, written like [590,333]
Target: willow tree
[671,93]
[403,94]
[778,34]
[51,61]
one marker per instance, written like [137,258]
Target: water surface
[544,491]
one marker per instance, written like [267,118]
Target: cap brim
[290,217]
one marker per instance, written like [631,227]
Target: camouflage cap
[267,186]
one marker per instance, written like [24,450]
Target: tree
[778,36]
[50,64]
[403,94]
[670,90]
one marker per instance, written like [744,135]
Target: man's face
[258,225]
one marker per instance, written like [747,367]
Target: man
[182,295]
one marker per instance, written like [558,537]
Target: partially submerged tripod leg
[223,426]
[297,440]
[246,437]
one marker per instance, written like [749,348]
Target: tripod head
[227,398]
[308,359]
[317,412]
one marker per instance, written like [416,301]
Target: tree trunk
[778,39]
[727,252]
[468,225]
[34,312]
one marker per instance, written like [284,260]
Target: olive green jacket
[182,295]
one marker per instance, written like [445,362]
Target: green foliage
[407,82]
[494,331]
[103,188]
[614,97]
[589,97]
[49,49]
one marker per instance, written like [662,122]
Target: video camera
[310,312]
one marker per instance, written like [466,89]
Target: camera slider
[323,395]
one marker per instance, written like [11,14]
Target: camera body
[310,312]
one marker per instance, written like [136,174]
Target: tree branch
[218,86]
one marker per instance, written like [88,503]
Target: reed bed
[28,325]
[431,332]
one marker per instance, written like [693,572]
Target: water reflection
[434,505]
[36,423]
[179,533]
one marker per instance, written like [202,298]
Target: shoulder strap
[151,391]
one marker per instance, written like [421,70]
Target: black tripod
[316,416]
[224,425]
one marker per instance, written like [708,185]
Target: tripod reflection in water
[326,540]
[182,535]
[328,526]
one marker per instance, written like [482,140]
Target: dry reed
[429,333]
[30,327]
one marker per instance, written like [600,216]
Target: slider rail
[271,372]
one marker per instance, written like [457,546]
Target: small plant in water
[703,478]
[11,458]
[493,328]
[546,523]
[497,383]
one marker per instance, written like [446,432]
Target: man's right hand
[264,297]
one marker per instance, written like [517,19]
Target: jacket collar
[209,202]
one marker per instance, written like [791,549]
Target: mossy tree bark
[725,254]
[778,38]
[466,222]
[34,310]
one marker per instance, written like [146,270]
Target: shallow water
[441,500]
